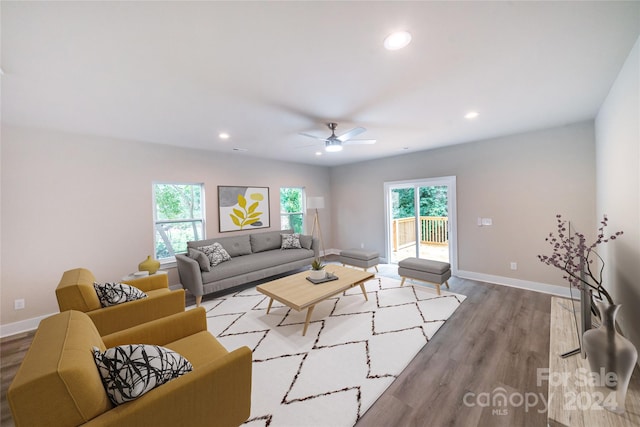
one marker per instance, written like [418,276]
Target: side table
[132,277]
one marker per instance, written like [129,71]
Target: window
[292,209]
[178,217]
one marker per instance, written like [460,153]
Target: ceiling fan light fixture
[333,146]
[397,40]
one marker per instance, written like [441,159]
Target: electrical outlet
[514,265]
[18,304]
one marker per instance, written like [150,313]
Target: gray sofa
[253,257]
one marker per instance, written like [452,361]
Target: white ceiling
[180,72]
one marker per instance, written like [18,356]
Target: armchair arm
[216,394]
[161,331]
[150,283]
[128,314]
[190,275]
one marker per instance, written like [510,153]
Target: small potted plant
[317,270]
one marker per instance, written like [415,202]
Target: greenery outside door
[420,219]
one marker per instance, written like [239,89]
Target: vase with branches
[581,264]
[606,349]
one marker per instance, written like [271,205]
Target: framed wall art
[243,208]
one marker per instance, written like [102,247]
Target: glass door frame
[450,183]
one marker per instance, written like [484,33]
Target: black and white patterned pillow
[291,241]
[117,293]
[129,371]
[216,253]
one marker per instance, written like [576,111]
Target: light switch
[487,221]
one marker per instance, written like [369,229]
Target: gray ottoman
[360,258]
[425,270]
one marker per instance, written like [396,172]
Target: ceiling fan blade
[313,136]
[350,134]
[359,141]
[317,144]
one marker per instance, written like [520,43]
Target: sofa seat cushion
[199,349]
[254,262]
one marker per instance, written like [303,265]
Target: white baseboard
[22,326]
[562,291]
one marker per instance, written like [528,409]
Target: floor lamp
[316,203]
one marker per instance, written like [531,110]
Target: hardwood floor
[496,339]
[12,351]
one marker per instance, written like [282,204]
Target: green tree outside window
[291,209]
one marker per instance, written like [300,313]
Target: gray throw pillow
[306,241]
[201,258]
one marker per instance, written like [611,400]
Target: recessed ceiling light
[240,149]
[223,135]
[397,40]
[471,115]
[318,153]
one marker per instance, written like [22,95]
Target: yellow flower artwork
[243,207]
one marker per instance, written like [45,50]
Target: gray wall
[70,200]
[520,181]
[618,190]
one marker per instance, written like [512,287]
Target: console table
[571,403]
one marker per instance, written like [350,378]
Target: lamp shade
[315,202]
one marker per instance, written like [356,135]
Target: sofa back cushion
[58,379]
[234,245]
[270,240]
[76,292]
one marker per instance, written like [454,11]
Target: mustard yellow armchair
[76,292]
[59,383]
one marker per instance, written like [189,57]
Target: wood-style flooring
[496,339]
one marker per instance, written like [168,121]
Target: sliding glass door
[421,219]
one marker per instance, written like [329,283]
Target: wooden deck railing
[434,230]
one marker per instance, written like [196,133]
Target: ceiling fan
[334,143]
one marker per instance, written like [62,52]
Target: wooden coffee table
[298,293]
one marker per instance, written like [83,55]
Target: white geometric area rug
[352,352]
